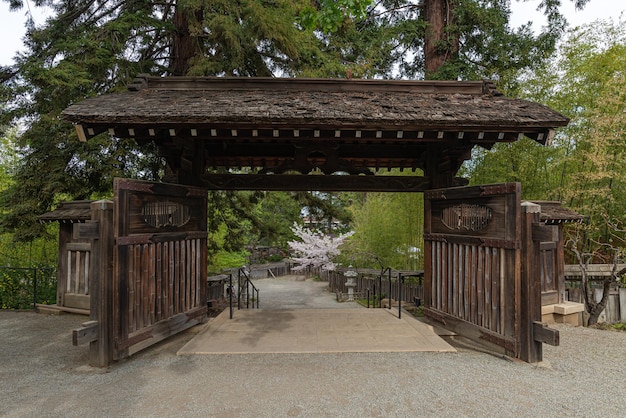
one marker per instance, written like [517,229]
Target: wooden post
[101,284]
[531,350]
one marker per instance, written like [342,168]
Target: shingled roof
[359,104]
[75,211]
[333,126]
[553,213]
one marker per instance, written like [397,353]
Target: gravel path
[293,292]
[42,374]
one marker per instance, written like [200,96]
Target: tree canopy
[582,167]
[91,47]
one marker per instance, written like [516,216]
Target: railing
[370,286]
[247,284]
[406,285]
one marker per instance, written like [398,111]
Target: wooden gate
[482,276]
[159,262]
[149,267]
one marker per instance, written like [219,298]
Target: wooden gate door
[160,262]
[472,266]
[482,267]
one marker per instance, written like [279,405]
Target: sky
[12,23]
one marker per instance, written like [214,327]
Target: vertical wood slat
[443,277]
[164,280]
[461,285]
[188,265]
[495,289]
[487,290]
[452,280]
[152,281]
[77,272]
[76,286]
[479,287]
[502,291]
[469,283]
[434,283]
[159,283]
[466,284]
[69,272]
[145,286]
[132,324]
[197,274]
[170,278]
[180,253]
[86,270]
[156,281]
[474,280]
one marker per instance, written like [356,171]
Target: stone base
[563,313]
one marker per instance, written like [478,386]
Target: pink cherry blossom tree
[315,249]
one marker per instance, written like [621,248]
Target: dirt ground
[42,374]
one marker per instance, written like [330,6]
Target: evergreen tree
[91,47]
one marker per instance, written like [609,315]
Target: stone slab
[314,331]
[567,308]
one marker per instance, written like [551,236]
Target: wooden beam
[544,334]
[316,182]
[87,230]
[531,349]
[87,333]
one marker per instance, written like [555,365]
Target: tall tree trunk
[184,46]
[440,44]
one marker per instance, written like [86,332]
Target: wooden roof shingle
[390,104]
[284,126]
[75,211]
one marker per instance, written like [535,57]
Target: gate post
[531,350]
[101,284]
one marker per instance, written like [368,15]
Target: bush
[17,287]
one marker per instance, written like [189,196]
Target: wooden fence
[412,288]
[615,310]
[262,271]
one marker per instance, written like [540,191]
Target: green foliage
[524,161]
[279,210]
[586,82]
[224,260]
[487,47]
[388,231]
[17,287]
[582,167]
[39,252]
[92,47]
[330,15]
[247,38]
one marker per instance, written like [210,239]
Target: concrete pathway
[299,316]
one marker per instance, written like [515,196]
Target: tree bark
[184,45]
[440,44]
[598,307]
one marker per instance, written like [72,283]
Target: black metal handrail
[248,284]
[400,281]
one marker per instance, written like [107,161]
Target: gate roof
[299,125]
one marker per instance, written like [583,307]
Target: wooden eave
[210,107]
[75,211]
[553,213]
[281,125]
